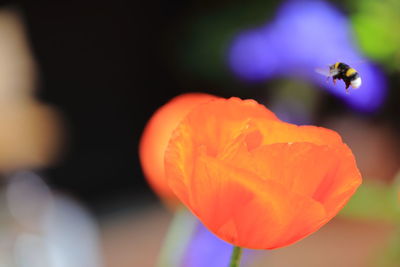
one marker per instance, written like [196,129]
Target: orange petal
[213,127]
[319,172]
[217,123]
[156,134]
[247,211]
[335,191]
[282,132]
[255,181]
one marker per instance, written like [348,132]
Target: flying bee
[342,71]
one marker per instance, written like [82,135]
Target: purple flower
[306,35]
[205,249]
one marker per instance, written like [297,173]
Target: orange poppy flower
[255,181]
[155,138]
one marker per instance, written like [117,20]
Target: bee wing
[324,71]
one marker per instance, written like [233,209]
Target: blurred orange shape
[30,136]
[255,181]
[155,138]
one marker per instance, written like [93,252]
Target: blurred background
[80,79]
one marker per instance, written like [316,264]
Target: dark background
[100,65]
[106,66]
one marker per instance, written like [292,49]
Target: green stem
[235,258]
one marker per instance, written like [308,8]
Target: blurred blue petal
[306,35]
[205,249]
[250,58]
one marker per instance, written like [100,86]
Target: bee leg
[334,81]
[347,87]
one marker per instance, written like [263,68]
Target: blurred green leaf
[374,201]
[376,25]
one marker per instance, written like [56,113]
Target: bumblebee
[342,71]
